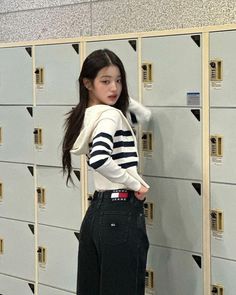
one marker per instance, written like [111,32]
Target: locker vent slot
[41,196]
[148,212]
[1,246]
[217,290]
[216,146]
[0,135]
[217,220]
[38,138]
[1,191]
[39,76]
[147,141]
[147,72]
[216,70]
[42,256]
[149,280]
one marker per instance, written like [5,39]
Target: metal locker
[57,256]
[16,82]
[173,210]
[16,134]
[58,205]
[49,132]
[171,69]
[223,235]
[222,68]
[44,290]
[127,51]
[223,276]
[17,191]
[14,286]
[172,271]
[171,143]
[57,70]
[17,252]
[223,145]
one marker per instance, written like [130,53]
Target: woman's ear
[87,83]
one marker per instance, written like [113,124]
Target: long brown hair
[92,65]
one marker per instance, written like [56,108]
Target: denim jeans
[113,246]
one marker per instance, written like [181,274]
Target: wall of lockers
[191,133]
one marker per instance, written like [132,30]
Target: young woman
[113,242]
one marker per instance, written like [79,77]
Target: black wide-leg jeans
[113,246]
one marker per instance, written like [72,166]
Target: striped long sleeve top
[111,148]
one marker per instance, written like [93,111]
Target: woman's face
[106,87]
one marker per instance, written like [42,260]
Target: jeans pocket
[114,228]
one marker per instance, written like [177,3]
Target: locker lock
[148,212]
[39,72]
[147,141]
[42,256]
[217,290]
[1,192]
[147,72]
[149,279]
[216,70]
[217,221]
[1,246]
[41,196]
[216,145]
[38,137]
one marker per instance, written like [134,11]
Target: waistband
[118,195]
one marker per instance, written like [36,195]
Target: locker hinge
[31,287]
[197,39]
[196,113]
[133,44]
[31,227]
[217,220]
[147,138]
[147,71]
[29,51]
[216,70]
[198,260]
[149,280]
[1,246]
[148,212]
[38,138]
[0,135]
[217,290]
[1,191]
[39,72]
[30,110]
[42,256]
[41,197]
[197,187]
[77,234]
[31,170]
[216,146]
[76,47]
[77,174]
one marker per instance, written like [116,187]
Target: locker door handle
[38,137]
[147,141]
[148,212]
[1,191]
[39,72]
[1,246]
[149,279]
[217,290]
[41,196]
[42,256]
[217,220]
[0,135]
[147,72]
[216,146]
[216,70]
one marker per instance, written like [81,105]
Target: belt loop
[100,198]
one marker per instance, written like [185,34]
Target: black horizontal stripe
[123,143]
[127,165]
[99,152]
[98,164]
[101,143]
[103,134]
[124,155]
[122,132]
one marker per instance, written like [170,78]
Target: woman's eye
[106,81]
[119,81]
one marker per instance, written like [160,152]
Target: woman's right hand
[140,194]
